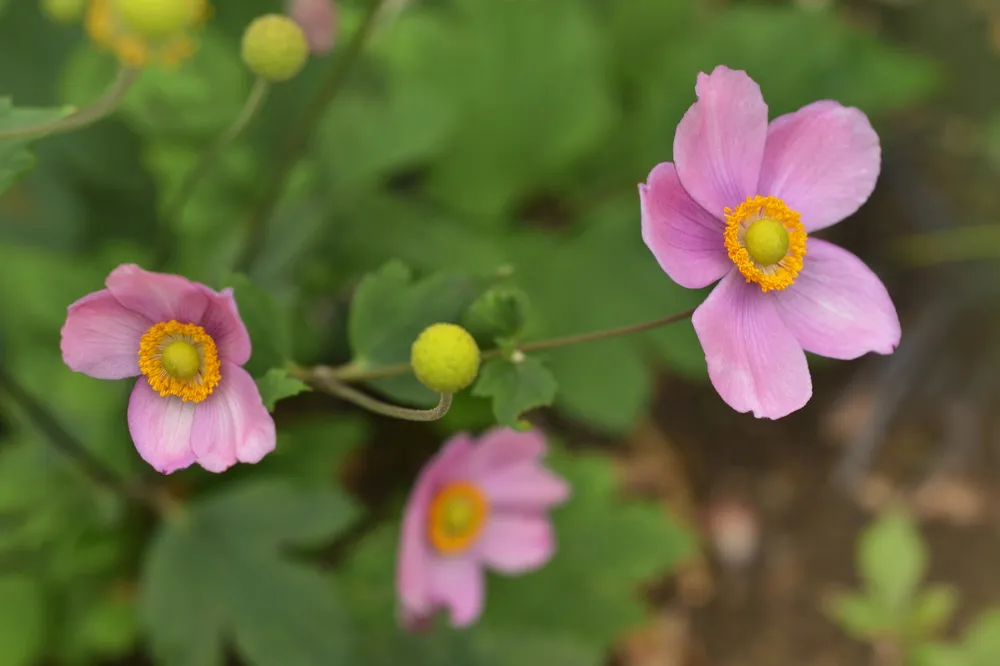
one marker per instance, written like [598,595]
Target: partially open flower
[737,205]
[193,402]
[143,32]
[477,504]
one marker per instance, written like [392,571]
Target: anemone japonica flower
[144,32]
[318,20]
[476,504]
[193,402]
[737,205]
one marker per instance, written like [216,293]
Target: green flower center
[180,359]
[767,241]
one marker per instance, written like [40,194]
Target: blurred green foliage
[477,145]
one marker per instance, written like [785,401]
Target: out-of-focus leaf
[932,610]
[499,313]
[515,387]
[105,628]
[892,558]
[22,620]
[607,546]
[217,572]
[14,157]
[268,324]
[389,311]
[312,451]
[981,642]
[276,385]
[861,617]
[938,654]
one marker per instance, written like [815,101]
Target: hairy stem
[323,379]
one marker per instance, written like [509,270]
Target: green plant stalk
[165,241]
[322,378]
[354,373]
[302,131]
[88,115]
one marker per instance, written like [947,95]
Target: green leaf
[515,387]
[277,385]
[268,324]
[860,616]
[982,640]
[22,620]
[389,311]
[218,572]
[892,558]
[312,451]
[14,157]
[938,654]
[501,312]
[932,610]
[607,546]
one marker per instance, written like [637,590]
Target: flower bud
[318,20]
[64,11]
[274,47]
[500,312]
[445,358]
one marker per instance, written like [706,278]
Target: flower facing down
[193,401]
[476,504]
[141,32]
[738,205]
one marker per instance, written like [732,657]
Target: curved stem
[323,378]
[302,132]
[164,244]
[107,103]
[354,373]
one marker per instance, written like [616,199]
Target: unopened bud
[318,20]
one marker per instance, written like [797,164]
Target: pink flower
[476,504]
[194,402]
[318,20]
[737,205]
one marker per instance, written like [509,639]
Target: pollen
[180,360]
[116,27]
[767,242]
[457,517]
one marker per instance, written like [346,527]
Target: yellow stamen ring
[457,517]
[180,360]
[773,276]
[108,30]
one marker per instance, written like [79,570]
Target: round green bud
[767,241]
[445,358]
[64,11]
[274,47]
[155,19]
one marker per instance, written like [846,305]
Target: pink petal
[501,447]
[161,428]
[526,485]
[754,361]
[685,239]
[457,584]
[318,20]
[101,338]
[222,321]
[232,424]
[514,544]
[719,142]
[415,557]
[823,161]
[157,296]
[838,307]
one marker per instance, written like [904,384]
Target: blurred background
[486,138]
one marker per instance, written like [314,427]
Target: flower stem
[354,373]
[322,378]
[164,244]
[73,448]
[107,103]
[302,131]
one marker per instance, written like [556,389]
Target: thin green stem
[302,131]
[167,229]
[106,104]
[322,378]
[355,373]
[73,448]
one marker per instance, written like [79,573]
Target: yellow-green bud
[445,358]
[180,359]
[274,47]
[155,19]
[767,241]
[64,11]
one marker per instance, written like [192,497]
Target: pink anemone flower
[738,204]
[193,401]
[318,20]
[476,504]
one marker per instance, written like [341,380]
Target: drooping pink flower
[476,504]
[193,402]
[318,20]
[737,205]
